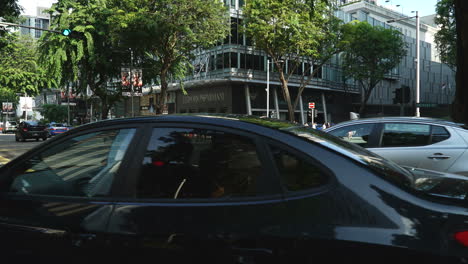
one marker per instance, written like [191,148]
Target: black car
[224,189]
[31,129]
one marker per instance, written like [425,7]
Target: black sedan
[31,129]
[223,189]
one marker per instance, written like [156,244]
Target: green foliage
[19,71]
[296,32]
[54,113]
[88,60]
[9,9]
[166,32]
[446,37]
[367,64]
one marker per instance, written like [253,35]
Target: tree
[168,32]
[446,37]
[9,8]
[293,32]
[460,104]
[19,71]
[87,58]
[368,64]
[53,112]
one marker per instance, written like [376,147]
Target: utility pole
[131,78]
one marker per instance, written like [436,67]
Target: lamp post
[268,90]
[417,93]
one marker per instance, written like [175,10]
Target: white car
[9,127]
[426,143]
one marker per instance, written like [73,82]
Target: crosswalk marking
[3,160]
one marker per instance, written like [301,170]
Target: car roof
[406,119]
[228,120]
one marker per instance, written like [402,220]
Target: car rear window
[386,168]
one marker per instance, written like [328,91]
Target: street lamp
[417,113]
[268,90]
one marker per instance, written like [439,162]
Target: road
[10,149]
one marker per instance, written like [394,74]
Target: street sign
[311,105]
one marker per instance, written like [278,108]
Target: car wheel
[37,139]
[16,138]
[23,139]
[44,138]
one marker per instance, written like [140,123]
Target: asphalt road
[10,149]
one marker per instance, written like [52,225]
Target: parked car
[56,128]
[418,142]
[31,129]
[224,189]
[9,127]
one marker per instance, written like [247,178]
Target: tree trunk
[460,103]
[287,96]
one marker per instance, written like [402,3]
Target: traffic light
[66,32]
[73,34]
[398,96]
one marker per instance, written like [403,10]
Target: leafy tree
[53,112]
[168,32]
[9,8]
[368,64]
[460,104]
[446,37]
[87,58]
[19,71]
[293,32]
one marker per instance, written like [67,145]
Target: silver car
[411,141]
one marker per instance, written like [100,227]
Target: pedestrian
[314,125]
[324,126]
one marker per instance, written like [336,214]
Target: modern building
[232,77]
[437,80]
[40,20]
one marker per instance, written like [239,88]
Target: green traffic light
[66,32]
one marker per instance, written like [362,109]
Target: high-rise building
[40,20]
[232,77]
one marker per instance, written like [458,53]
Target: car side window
[297,173]
[405,135]
[358,134]
[82,166]
[198,163]
[439,134]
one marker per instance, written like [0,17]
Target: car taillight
[158,163]
[25,129]
[462,237]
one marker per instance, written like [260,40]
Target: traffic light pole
[37,28]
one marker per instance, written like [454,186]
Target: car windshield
[33,123]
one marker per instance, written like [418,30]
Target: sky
[424,7]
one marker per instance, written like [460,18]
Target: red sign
[311,105]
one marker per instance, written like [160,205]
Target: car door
[55,201]
[420,145]
[202,193]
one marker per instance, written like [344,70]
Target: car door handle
[439,156]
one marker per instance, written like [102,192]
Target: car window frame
[114,193]
[272,185]
[373,140]
[429,141]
